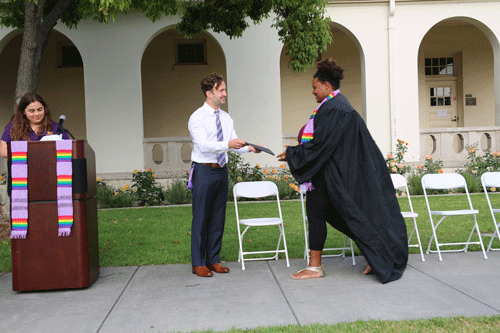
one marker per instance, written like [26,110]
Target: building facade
[425,72]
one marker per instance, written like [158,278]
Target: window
[68,56]
[440,96]
[438,66]
[191,52]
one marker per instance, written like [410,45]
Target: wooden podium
[44,260]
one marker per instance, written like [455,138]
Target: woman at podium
[30,122]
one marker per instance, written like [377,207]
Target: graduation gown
[358,182]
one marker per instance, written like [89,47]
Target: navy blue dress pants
[210,191]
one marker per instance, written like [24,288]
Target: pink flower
[400,165]
[421,167]
[394,169]
[389,156]
[428,157]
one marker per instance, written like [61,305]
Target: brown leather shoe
[218,268]
[202,271]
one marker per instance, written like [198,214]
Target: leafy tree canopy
[301,24]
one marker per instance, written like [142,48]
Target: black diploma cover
[264,149]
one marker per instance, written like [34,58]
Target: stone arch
[60,84]
[171,91]
[476,53]
[296,99]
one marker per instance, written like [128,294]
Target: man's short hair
[210,82]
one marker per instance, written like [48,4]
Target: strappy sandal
[320,270]
[368,270]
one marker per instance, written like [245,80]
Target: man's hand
[253,149]
[282,157]
[236,143]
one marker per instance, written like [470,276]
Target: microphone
[60,126]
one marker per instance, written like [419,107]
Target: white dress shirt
[203,129]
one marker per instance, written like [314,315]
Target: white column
[111,56]
[254,90]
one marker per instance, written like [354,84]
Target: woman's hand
[282,157]
[3,149]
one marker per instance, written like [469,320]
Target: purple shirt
[6,133]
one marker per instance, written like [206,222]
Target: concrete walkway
[170,298]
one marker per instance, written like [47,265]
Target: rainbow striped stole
[64,186]
[308,133]
[19,195]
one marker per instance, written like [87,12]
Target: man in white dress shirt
[213,134]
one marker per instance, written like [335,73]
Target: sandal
[368,270]
[309,273]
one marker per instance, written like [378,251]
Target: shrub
[415,183]
[395,163]
[108,197]
[477,165]
[473,182]
[177,193]
[148,191]
[239,171]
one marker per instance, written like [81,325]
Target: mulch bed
[4,226]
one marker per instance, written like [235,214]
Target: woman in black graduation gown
[349,183]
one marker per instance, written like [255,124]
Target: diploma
[264,149]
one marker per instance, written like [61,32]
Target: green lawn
[434,325]
[161,235]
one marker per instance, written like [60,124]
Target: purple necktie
[221,158]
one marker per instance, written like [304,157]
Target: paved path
[170,298]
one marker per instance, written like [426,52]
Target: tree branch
[44,33]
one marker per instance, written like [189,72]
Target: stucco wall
[171,93]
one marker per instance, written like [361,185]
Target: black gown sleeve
[309,158]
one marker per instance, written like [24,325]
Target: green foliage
[430,166]
[13,11]
[178,193]
[395,163]
[473,182]
[108,197]
[240,171]
[301,24]
[414,182]
[477,165]
[148,191]
[303,28]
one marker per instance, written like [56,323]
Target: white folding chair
[492,179]
[306,233]
[448,181]
[400,183]
[259,189]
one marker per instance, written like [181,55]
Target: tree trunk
[28,50]
[35,38]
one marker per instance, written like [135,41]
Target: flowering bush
[415,179]
[430,166]
[148,191]
[239,171]
[395,163]
[478,165]
[108,197]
